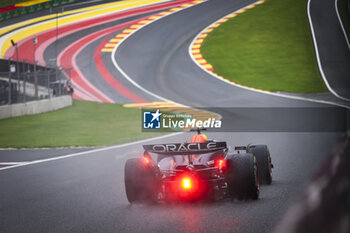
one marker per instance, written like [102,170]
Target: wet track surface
[27,155]
[85,193]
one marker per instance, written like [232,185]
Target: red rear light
[220,163]
[146,160]
[186,183]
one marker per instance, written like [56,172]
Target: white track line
[11,163]
[341,24]
[90,151]
[318,56]
[128,77]
[252,89]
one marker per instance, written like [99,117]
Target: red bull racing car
[199,170]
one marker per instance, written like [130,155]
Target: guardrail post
[18,71]
[26,74]
[35,41]
[35,82]
[17,63]
[9,64]
[24,78]
[48,83]
[10,87]
[60,84]
[58,80]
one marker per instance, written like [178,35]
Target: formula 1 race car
[200,170]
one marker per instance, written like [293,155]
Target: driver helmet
[199,138]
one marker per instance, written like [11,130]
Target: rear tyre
[262,154]
[141,182]
[242,176]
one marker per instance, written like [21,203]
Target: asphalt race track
[83,190]
[333,48]
[86,193]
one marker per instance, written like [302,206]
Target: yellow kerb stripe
[30,3]
[152,17]
[136,26]
[144,21]
[122,35]
[128,31]
[111,45]
[208,66]
[208,30]
[175,9]
[164,13]
[107,50]
[115,40]
[201,61]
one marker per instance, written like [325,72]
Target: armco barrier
[30,83]
[324,205]
[35,107]
[33,8]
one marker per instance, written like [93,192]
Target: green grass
[83,124]
[268,47]
[344,15]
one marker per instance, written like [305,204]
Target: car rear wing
[185,148]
